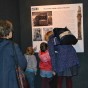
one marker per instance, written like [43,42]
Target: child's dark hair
[43,46]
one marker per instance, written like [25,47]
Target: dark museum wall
[9,9]
[19,11]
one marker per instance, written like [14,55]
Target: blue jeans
[47,74]
[30,77]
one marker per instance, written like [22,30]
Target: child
[64,60]
[45,65]
[31,65]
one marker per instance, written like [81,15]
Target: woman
[7,61]
[64,60]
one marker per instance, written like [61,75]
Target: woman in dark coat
[7,63]
[64,60]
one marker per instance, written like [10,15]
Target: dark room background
[19,12]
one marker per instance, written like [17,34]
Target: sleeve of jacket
[20,57]
[52,52]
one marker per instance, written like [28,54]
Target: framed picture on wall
[45,18]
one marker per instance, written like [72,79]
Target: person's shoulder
[25,54]
[51,36]
[15,44]
[33,56]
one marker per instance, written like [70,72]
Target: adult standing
[64,60]
[7,63]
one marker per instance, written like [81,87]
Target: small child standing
[45,65]
[31,66]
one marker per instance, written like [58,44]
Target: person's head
[47,35]
[6,29]
[30,50]
[43,46]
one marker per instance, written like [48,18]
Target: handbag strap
[15,55]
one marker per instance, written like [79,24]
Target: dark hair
[5,28]
[43,46]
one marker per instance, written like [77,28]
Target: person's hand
[53,72]
[35,48]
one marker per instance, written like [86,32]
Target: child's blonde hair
[47,35]
[30,48]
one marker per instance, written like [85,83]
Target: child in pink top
[45,65]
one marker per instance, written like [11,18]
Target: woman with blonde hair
[64,60]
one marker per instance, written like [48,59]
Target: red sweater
[45,61]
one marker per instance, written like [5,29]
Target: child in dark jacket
[45,65]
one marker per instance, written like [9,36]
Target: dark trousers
[68,82]
[45,82]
